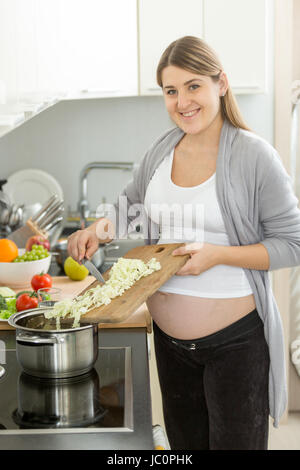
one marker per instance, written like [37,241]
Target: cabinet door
[8,51]
[47,47]
[29,48]
[160,23]
[98,43]
[237,30]
[25,33]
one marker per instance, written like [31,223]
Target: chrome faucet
[83,202]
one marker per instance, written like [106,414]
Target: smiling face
[192,100]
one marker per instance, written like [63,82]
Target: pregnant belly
[187,317]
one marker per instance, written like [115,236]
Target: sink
[119,247]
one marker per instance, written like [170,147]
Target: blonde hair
[195,55]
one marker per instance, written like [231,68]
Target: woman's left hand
[203,256]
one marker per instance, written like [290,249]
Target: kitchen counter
[130,334]
[138,437]
[139,319]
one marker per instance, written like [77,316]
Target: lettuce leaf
[7,308]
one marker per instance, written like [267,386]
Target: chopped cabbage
[123,275]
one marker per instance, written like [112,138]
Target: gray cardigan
[258,204]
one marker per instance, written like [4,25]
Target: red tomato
[41,281]
[26,302]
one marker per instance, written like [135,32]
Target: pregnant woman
[217,329]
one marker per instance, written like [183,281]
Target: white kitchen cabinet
[8,51]
[47,47]
[27,64]
[53,49]
[98,47]
[26,47]
[238,31]
[64,49]
[160,23]
[27,69]
[78,47]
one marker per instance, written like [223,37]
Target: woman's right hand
[82,244]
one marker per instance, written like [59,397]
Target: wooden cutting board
[123,306]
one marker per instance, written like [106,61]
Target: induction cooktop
[98,401]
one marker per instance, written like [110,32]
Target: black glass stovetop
[98,401]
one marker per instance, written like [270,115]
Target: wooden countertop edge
[103,326]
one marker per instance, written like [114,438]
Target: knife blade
[51,212]
[56,213]
[93,270]
[53,223]
[44,208]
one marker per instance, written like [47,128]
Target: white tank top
[188,215]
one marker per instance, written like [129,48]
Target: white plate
[30,186]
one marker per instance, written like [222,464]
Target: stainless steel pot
[44,351]
[58,403]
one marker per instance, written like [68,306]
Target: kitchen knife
[50,213]
[54,214]
[93,270]
[53,223]
[45,208]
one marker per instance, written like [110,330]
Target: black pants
[215,389]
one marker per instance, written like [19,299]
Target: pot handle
[38,339]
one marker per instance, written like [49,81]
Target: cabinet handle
[247,87]
[38,339]
[157,88]
[99,91]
